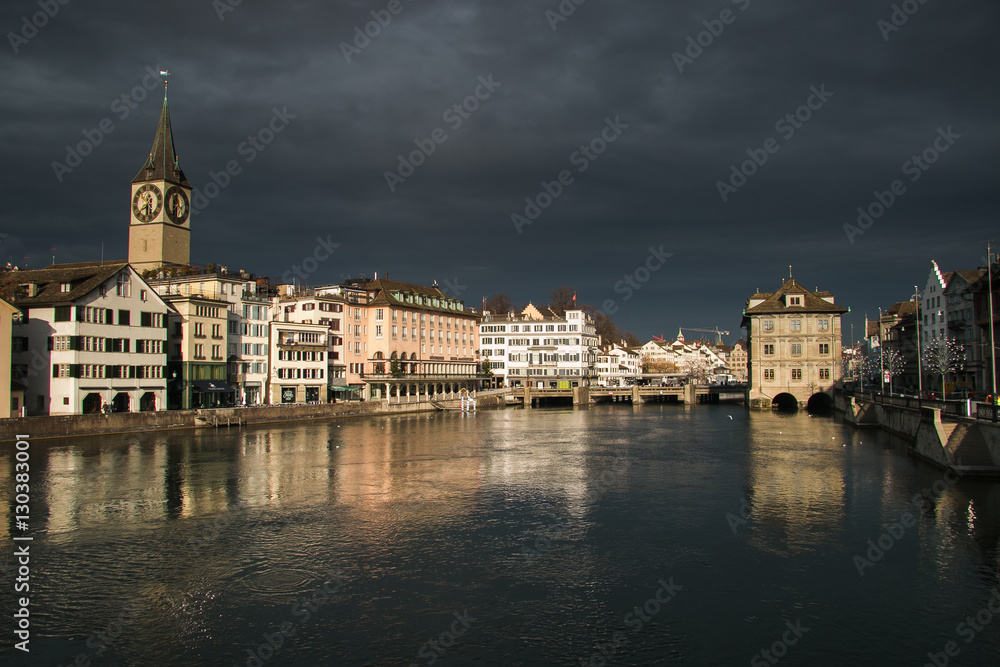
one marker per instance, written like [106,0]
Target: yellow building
[793,347]
[196,353]
[13,399]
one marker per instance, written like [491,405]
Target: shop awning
[212,387]
[340,387]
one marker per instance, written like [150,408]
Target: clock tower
[160,225]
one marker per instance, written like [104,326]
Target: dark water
[658,534]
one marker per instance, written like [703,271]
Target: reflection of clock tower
[160,226]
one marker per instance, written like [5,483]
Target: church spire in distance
[162,164]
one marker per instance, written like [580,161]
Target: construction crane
[719,333]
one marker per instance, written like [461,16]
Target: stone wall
[124,422]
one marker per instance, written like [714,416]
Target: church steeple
[160,226]
[162,164]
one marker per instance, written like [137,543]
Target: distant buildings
[793,343]
[618,366]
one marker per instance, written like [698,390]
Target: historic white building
[541,349]
[321,305]
[91,338]
[298,365]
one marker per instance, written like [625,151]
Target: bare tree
[698,369]
[499,304]
[892,364]
[631,340]
[562,300]
[943,356]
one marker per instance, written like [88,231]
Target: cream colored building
[431,336]
[298,363]
[793,347]
[14,399]
[248,320]
[196,356]
[91,338]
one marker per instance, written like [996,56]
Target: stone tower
[160,223]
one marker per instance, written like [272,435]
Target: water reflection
[546,524]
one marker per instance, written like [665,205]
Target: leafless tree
[499,304]
[562,300]
[943,356]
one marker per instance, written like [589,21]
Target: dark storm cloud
[451,219]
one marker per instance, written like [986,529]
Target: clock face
[147,202]
[177,205]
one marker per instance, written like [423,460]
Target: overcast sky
[675,116]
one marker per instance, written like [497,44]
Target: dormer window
[65,287]
[794,300]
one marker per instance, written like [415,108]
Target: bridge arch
[820,402]
[785,402]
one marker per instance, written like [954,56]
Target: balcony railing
[403,377]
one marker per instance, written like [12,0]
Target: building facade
[9,396]
[793,347]
[323,306]
[196,358]
[541,349]
[91,339]
[298,364]
[248,317]
[618,366]
[405,341]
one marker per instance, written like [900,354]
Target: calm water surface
[656,534]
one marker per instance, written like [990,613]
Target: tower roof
[162,163]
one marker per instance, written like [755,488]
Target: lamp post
[920,368]
[993,345]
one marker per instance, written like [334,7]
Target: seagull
[730,416]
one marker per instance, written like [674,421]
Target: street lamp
[993,345]
[920,367]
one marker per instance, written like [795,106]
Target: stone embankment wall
[125,422]
[965,445]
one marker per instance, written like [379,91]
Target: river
[697,535]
